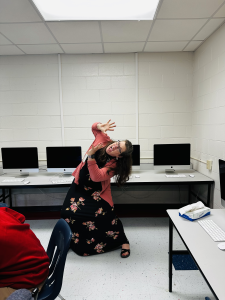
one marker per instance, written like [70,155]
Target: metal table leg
[10,198]
[208,196]
[2,196]
[189,193]
[170,253]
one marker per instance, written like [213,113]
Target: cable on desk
[149,194]
[196,198]
[117,195]
[179,194]
[48,195]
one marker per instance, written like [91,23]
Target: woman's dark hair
[123,166]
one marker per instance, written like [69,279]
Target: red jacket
[96,174]
[23,261]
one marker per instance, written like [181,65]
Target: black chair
[57,252]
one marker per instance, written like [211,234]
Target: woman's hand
[94,149]
[106,126]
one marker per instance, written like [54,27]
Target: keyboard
[61,181]
[181,175]
[13,180]
[215,232]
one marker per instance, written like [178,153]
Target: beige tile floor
[144,275]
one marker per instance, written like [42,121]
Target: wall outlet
[209,164]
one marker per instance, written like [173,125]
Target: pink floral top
[97,174]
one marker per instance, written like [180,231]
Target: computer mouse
[26,182]
[221,246]
[191,175]
[137,176]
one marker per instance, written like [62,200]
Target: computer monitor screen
[22,159]
[172,156]
[222,181]
[136,157]
[63,159]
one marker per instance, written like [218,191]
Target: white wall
[29,102]
[165,94]
[98,88]
[95,88]
[208,107]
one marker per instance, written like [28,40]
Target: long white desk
[146,177]
[208,257]
[154,176]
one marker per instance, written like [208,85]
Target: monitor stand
[23,174]
[169,170]
[135,168]
[67,174]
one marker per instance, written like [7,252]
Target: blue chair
[3,205]
[21,294]
[57,252]
[207,298]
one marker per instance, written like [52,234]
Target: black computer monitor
[136,157]
[63,159]
[222,181]
[170,157]
[20,160]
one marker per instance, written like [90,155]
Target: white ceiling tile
[164,46]
[178,21]
[10,50]
[220,13]
[188,8]
[32,33]
[18,11]
[192,46]
[208,29]
[125,31]
[76,32]
[82,48]
[4,41]
[123,47]
[175,30]
[41,49]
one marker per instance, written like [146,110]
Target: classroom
[153,79]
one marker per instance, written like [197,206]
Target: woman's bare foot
[125,246]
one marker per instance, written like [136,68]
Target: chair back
[21,294]
[57,252]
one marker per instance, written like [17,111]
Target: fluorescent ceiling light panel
[70,10]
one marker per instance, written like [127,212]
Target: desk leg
[10,198]
[170,253]
[3,195]
[189,193]
[208,196]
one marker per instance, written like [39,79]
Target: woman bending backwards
[88,207]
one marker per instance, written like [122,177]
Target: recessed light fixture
[71,10]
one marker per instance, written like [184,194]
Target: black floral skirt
[95,227]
